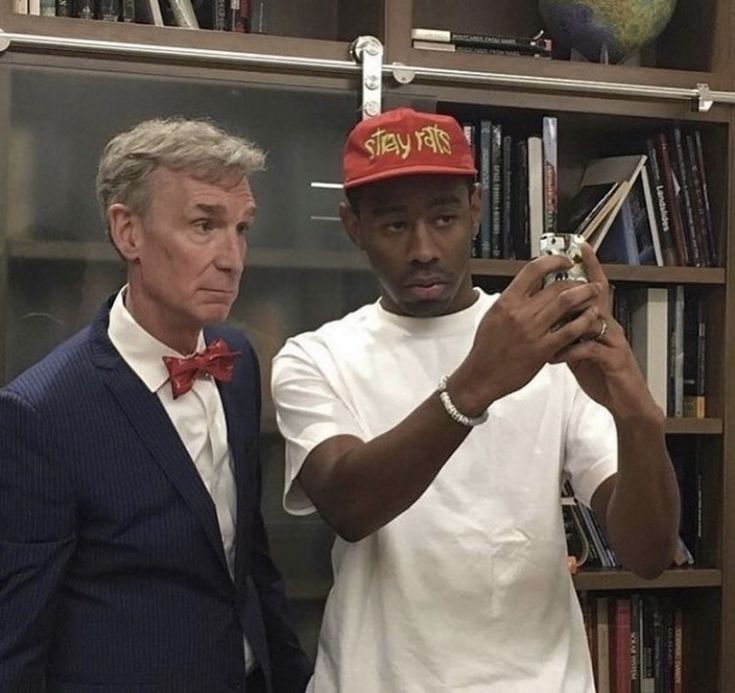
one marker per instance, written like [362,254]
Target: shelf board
[684,425]
[595,579]
[314,590]
[101,251]
[643,274]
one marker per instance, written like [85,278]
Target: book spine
[20,6]
[64,8]
[668,249]
[128,10]
[549,138]
[47,8]
[672,202]
[484,50]
[259,16]
[496,191]
[521,232]
[486,221]
[685,197]
[471,39]
[705,192]
[507,214]
[700,215]
[239,16]
[184,15]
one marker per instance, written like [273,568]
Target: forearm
[372,483]
[643,514]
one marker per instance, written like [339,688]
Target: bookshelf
[59,105]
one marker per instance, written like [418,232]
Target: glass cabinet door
[301,268]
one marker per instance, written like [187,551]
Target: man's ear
[476,208]
[351,224]
[125,229]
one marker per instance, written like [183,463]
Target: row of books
[587,543]
[636,642]
[667,330]
[651,208]
[536,46]
[519,188]
[648,208]
[221,15]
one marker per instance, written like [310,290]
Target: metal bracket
[402,74]
[4,42]
[369,51]
[704,98]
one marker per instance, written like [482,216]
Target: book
[184,15]
[701,226]
[259,16]
[549,141]
[649,336]
[623,170]
[496,191]
[535,193]
[668,248]
[507,206]
[537,43]
[238,16]
[694,357]
[585,205]
[655,238]
[684,192]
[630,240]
[485,179]
[705,193]
[520,228]
[671,195]
[487,50]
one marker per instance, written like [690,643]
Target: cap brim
[410,171]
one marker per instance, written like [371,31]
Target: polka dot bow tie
[216,360]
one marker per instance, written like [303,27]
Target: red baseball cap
[404,142]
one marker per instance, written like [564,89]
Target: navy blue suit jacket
[112,571]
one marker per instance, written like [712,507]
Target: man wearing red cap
[433,429]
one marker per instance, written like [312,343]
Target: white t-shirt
[468,590]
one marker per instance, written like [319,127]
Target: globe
[620,26]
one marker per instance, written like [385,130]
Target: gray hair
[197,147]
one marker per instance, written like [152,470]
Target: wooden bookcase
[57,107]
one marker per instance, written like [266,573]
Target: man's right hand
[521,332]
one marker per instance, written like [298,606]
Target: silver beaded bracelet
[457,415]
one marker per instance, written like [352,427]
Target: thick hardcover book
[671,186]
[464,39]
[668,247]
[486,50]
[685,197]
[470,134]
[649,336]
[535,192]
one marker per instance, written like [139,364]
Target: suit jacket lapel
[155,430]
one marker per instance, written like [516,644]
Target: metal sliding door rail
[700,95]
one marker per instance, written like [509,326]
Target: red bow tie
[217,360]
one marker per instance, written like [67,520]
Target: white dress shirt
[198,416]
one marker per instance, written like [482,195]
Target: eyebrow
[214,210]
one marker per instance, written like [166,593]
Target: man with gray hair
[133,554]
